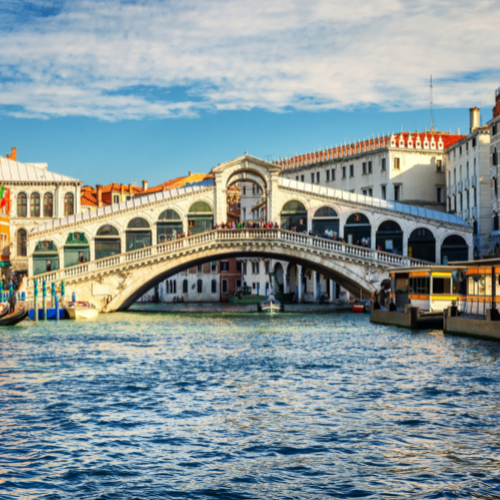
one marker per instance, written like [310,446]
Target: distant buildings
[494,126]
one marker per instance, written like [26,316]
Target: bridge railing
[217,235]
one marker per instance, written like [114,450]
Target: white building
[494,125]
[468,183]
[253,202]
[37,195]
[406,167]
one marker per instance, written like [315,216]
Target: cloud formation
[154,58]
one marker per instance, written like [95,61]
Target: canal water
[214,404]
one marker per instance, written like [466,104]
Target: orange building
[103,196]
[5,231]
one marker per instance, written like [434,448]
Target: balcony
[474,180]
[466,184]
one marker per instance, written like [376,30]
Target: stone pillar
[373,237]
[332,289]
[220,205]
[299,283]
[315,286]
[273,199]
[92,249]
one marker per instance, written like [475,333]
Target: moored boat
[81,310]
[14,318]
[271,306]
[358,306]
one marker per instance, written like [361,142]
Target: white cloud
[120,60]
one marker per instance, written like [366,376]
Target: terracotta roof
[438,141]
[117,188]
[178,182]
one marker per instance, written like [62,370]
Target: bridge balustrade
[198,240]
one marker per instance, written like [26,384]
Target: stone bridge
[128,249]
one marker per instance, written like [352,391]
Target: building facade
[406,167]
[494,126]
[37,195]
[468,187]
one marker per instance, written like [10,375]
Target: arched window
[185,286]
[214,286]
[200,217]
[22,205]
[175,286]
[138,223]
[389,237]
[200,286]
[357,230]
[35,205]
[422,245]
[48,205]
[69,204]
[21,243]
[454,248]
[107,230]
[138,234]
[107,242]
[169,225]
[325,221]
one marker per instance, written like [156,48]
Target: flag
[1,191]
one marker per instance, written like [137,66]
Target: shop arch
[422,245]
[200,217]
[294,214]
[325,219]
[389,237]
[169,225]
[76,249]
[107,242]
[45,257]
[454,248]
[358,230]
[138,234]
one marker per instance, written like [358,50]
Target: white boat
[271,306]
[81,310]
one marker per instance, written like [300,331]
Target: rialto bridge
[112,255]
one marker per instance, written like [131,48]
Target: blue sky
[120,90]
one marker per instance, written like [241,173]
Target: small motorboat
[14,318]
[271,306]
[358,306]
[81,310]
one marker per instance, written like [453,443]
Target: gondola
[5,310]
[14,318]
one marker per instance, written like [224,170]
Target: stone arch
[107,241]
[76,248]
[200,217]
[357,228]
[168,225]
[293,214]
[22,204]
[45,257]
[454,248]
[326,218]
[422,244]
[138,233]
[389,236]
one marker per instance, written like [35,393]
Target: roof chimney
[474,119]
[130,190]
[190,173]
[13,154]
[99,196]
[144,185]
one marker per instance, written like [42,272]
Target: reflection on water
[245,406]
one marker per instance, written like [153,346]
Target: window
[439,165]
[328,176]
[333,174]
[266,266]
[224,265]
[214,286]
[461,201]
[494,129]
[255,268]
[244,190]
[365,192]
[467,200]
[474,196]
[116,198]
[22,205]
[383,164]
[370,192]
[454,176]
[343,172]
[244,214]
[397,164]
[253,189]
[467,171]
[397,193]
[370,170]
[238,266]
[35,205]
[449,178]
[254,286]
[224,286]
[21,243]
[467,146]
[296,177]
[441,286]
[460,149]
[48,205]
[440,195]
[495,157]
[213,266]
[318,176]
[495,222]
[495,184]
[199,268]
[199,285]
[351,170]
[418,286]
[185,286]
[69,204]
[384,192]
[474,142]
[312,177]
[449,203]
[302,178]
[455,153]
[364,168]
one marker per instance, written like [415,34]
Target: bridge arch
[390,236]
[341,271]
[422,244]
[139,233]
[454,248]
[247,175]
[357,228]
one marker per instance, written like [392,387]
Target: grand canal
[208,405]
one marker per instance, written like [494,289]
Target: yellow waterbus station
[460,297]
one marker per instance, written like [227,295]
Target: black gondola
[5,310]
[15,318]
